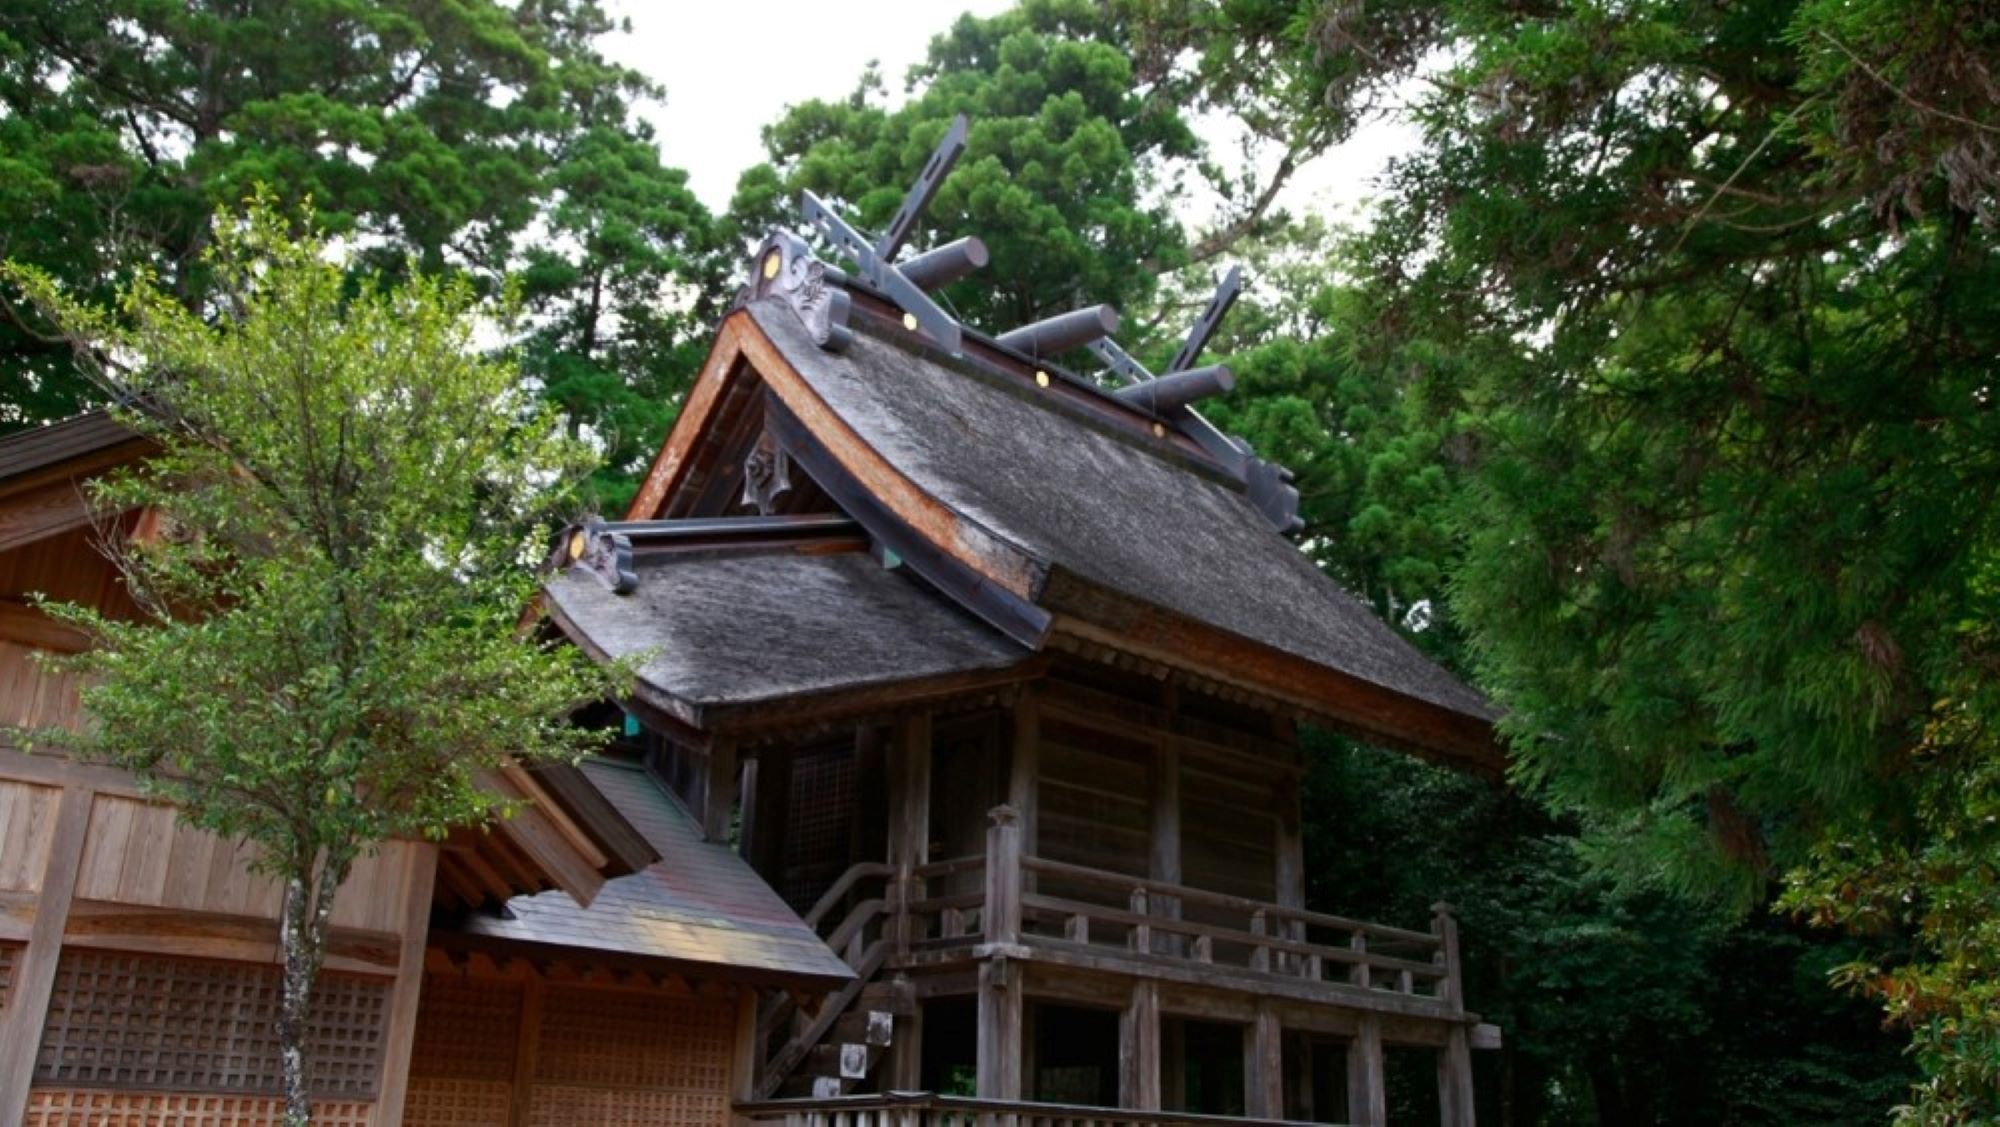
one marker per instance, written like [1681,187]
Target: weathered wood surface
[35,971]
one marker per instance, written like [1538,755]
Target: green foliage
[329,649]
[1700,300]
[1066,177]
[482,137]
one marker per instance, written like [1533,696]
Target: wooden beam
[419,881]
[1367,1103]
[33,626]
[1139,1048]
[529,785]
[44,511]
[744,1055]
[35,974]
[531,831]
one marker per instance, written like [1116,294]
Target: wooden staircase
[831,1049]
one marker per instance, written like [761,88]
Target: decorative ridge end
[593,547]
[785,268]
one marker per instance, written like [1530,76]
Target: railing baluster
[1076,928]
[1260,955]
[1358,973]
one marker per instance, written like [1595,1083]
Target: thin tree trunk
[308,915]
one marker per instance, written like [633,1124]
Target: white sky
[731,68]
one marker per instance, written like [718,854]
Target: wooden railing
[862,938]
[1038,902]
[922,1109]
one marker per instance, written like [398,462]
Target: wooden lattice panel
[467,1029]
[436,1101]
[563,1106]
[71,1107]
[10,956]
[633,1042]
[819,813]
[121,1020]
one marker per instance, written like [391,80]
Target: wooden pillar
[1165,864]
[527,1043]
[746,833]
[1264,1065]
[1024,768]
[910,791]
[35,974]
[1367,1104]
[906,1051]
[1139,1048]
[420,878]
[1290,845]
[999,1061]
[1455,1079]
[768,803]
[719,796]
[1003,878]
[743,1060]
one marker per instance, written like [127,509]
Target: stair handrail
[841,886]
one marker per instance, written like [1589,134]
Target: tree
[1067,176]
[1703,298]
[483,137]
[329,649]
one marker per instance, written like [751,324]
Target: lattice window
[818,821]
[438,1101]
[609,1039]
[568,1106]
[145,1021]
[59,1107]
[467,1028]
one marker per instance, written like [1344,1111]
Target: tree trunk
[308,913]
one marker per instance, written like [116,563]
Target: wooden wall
[509,1047]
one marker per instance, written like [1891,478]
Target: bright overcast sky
[731,68]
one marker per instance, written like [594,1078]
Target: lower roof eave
[1287,682]
[766,978]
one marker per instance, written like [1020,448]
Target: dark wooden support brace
[1139,1048]
[1367,1105]
[1165,865]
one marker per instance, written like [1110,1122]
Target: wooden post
[394,1084]
[909,818]
[769,801]
[35,974]
[1003,877]
[746,833]
[1139,1048]
[1024,768]
[743,1061]
[999,1067]
[527,1043]
[1166,854]
[1367,1104]
[1455,1079]
[719,796]
[906,1052]
[1444,925]
[1264,1065]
